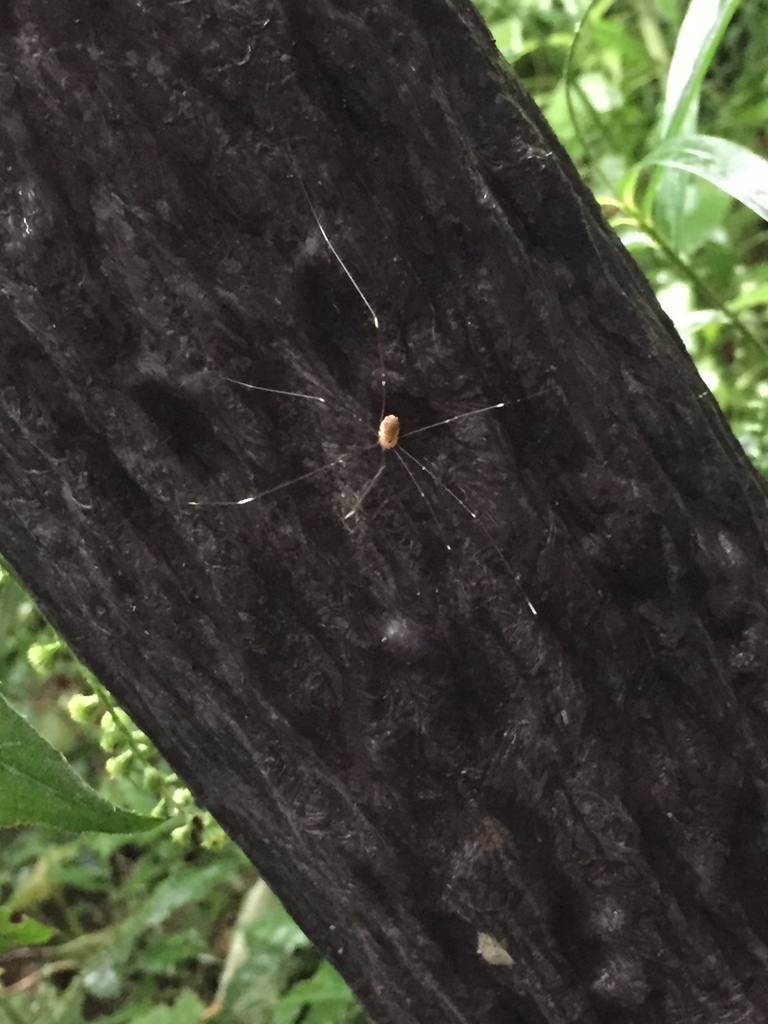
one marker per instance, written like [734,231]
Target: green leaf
[733,168]
[697,42]
[189,884]
[322,998]
[45,1003]
[38,787]
[18,930]
[186,1010]
[700,34]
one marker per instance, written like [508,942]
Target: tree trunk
[487,709]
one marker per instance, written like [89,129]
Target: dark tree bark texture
[498,737]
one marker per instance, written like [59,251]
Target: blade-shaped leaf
[18,930]
[700,34]
[732,168]
[38,787]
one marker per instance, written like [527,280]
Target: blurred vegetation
[167,927]
[664,116]
[663,107]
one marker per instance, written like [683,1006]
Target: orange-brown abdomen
[389,431]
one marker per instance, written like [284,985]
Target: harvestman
[388,434]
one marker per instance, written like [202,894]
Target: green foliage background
[664,115]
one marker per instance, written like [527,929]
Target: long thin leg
[335,252]
[515,576]
[366,490]
[273,490]
[274,391]
[410,473]
[476,412]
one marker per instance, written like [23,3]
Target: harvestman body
[388,434]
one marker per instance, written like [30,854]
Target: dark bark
[368,704]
